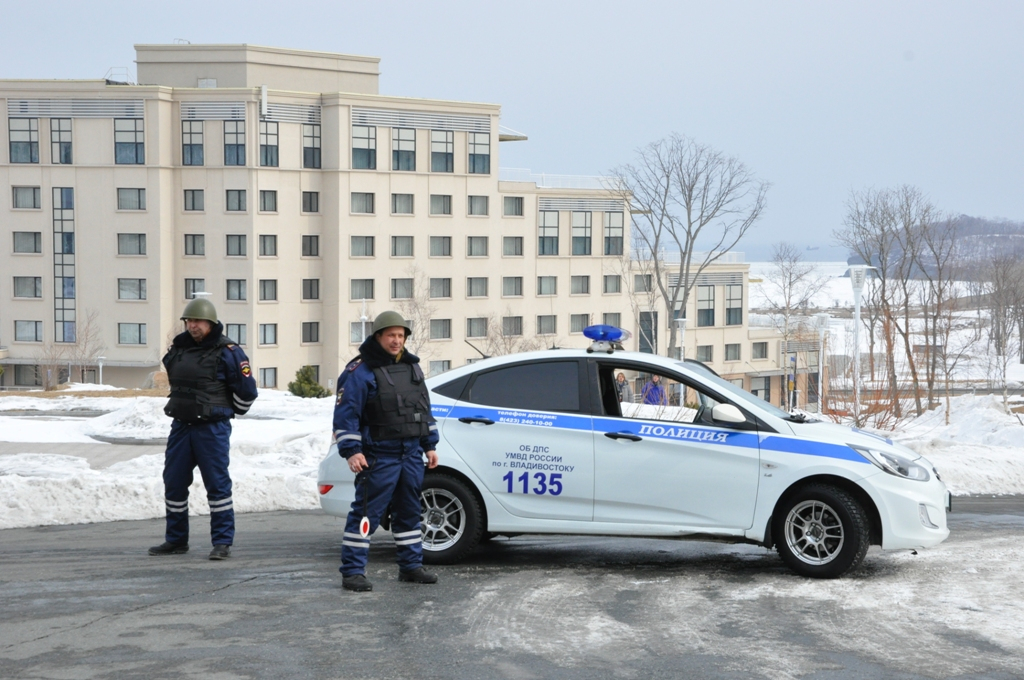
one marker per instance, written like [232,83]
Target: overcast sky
[818,98]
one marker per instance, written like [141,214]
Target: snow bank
[138,418]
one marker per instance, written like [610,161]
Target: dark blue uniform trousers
[205,445]
[394,477]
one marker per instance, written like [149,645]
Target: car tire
[821,531]
[452,520]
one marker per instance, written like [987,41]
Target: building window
[310,146]
[310,289]
[440,204]
[60,141]
[513,206]
[547,324]
[439,367]
[362,203]
[64,243]
[476,327]
[268,333]
[193,286]
[761,387]
[401,289]
[732,352]
[476,246]
[613,232]
[311,201]
[31,241]
[268,377]
[705,306]
[401,204]
[356,332]
[28,331]
[268,290]
[26,198]
[440,329]
[311,246]
[194,200]
[577,322]
[364,147]
[547,285]
[24,136]
[131,199]
[548,232]
[512,286]
[28,286]
[131,334]
[579,285]
[131,289]
[30,376]
[268,245]
[511,326]
[581,233]
[310,331]
[191,142]
[478,205]
[362,246]
[236,245]
[612,319]
[440,246]
[237,289]
[706,353]
[362,289]
[268,201]
[236,332]
[759,350]
[440,288]
[734,304]
[442,151]
[612,283]
[476,286]
[129,141]
[195,244]
[403,149]
[512,246]
[131,244]
[479,153]
[236,200]
[642,283]
[234,142]
[401,246]
[268,144]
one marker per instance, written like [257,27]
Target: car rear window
[546,386]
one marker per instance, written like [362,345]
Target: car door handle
[623,435]
[476,419]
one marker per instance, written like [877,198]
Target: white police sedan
[541,443]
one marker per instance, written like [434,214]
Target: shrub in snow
[305,384]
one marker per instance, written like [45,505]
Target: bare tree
[1006,294]
[88,342]
[505,335]
[418,310]
[637,276]
[53,358]
[681,192]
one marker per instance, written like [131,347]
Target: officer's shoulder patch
[353,365]
[230,346]
[246,371]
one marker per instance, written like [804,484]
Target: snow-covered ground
[276,449]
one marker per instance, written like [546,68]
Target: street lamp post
[363,318]
[99,360]
[857,274]
[681,322]
[822,320]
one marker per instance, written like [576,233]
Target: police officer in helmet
[383,428]
[211,382]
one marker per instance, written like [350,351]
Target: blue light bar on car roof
[605,333]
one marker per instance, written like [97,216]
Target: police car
[541,443]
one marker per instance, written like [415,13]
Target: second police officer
[211,381]
[383,427]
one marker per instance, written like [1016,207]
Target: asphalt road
[85,601]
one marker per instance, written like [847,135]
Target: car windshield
[739,393]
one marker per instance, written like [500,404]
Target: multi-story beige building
[303,202]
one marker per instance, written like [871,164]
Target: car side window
[631,393]
[537,386]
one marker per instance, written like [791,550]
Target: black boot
[418,575]
[356,582]
[166,548]
[220,552]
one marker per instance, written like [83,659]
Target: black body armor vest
[196,394]
[401,408]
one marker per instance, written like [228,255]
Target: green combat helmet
[389,319]
[200,308]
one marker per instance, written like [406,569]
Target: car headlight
[894,464]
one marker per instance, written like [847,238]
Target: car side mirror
[727,413]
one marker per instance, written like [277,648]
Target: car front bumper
[913,514]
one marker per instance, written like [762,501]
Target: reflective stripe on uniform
[221,505]
[356,437]
[242,402]
[353,544]
[409,541]
[407,534]
[176,506]
[408,537]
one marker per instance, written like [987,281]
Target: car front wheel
[452,521]
[821,531]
